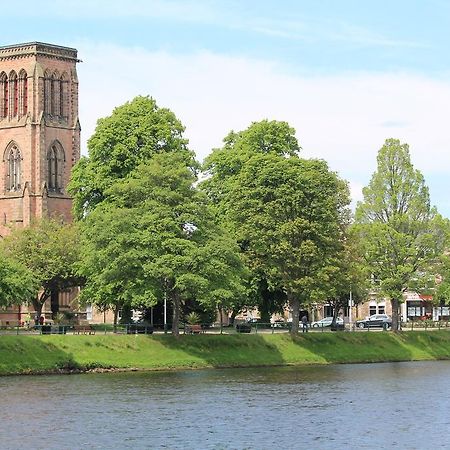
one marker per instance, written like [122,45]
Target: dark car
[375,321]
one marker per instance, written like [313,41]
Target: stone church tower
[39,131]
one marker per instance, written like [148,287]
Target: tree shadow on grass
[27,355]
[221,350]
[342,347]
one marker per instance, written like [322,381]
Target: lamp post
[165,311]
[350,305]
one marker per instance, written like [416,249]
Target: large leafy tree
[223,167]
[224,164]
[132,134]
[17,283]
[155,235]
[49,251]
[289,213]
[400,231]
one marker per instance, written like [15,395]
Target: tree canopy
[400,231]
[132,134]
[289,213]
[224,164]
[155,235]
[17,283]
[48,250]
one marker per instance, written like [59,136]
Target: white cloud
[342,119]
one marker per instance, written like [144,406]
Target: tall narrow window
[62,96]
[14,169]
[3,95]
[23,93]
[52,168]
[55,164]
[55,94]
[13,93]
[47,93]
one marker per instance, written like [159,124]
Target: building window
[23,93]
[55,162]
[381,309]
[372,310]
[62,96]
[13,91]
[14,175]
[55,95]
[3,95]
[47,93]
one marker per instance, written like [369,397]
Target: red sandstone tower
[39,131]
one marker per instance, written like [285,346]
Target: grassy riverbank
[53,353]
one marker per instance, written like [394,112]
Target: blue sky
[345,74]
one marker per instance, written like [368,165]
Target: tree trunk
[395,315]
[295,307]
[233,316]
[176,311]
[37,305]
[116,314]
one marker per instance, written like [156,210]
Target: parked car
[243,328]
[279,324]
[375,321]
[327,321]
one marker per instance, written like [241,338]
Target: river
[392,405]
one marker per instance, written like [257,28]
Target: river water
[392,405]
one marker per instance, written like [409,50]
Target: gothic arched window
[13,87]
[3,95]
[55,164]
[47,92]
[63,95]
[14,167]
[23,93]
[55,94]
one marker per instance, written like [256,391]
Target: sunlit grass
[51,353]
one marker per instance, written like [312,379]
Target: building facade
[39,131]
[39,135]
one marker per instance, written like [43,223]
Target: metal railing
[238,328]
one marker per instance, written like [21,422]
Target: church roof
[38,49]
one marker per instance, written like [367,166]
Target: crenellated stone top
[38,49]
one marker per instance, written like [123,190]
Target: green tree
[159,238]
[132,134]
[401,233]
[224,164]
[289,213]
[49,251]
[222,167]
[345,275]
[17,283]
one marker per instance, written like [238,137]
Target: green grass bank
[59,353]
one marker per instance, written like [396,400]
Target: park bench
[83,329]
[193,329]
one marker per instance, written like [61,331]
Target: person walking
[305,324]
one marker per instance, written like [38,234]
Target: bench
[193,329]
[83,329]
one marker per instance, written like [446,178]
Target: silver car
[327,321]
